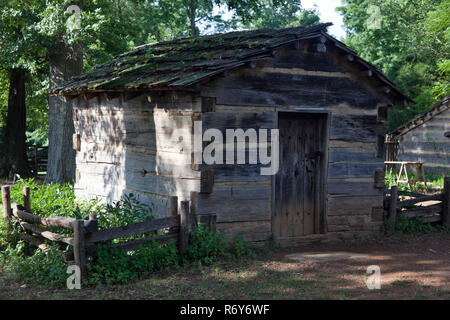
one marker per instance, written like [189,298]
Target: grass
[402,283]
[267,276]
[225,280]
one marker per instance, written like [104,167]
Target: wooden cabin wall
[130,145]
[427,143]
[299,81]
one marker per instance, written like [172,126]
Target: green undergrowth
[415,225]
[109,265]
[434,183]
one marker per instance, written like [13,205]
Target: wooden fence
[37,158]
[391,150]
[433,212]
[87,236]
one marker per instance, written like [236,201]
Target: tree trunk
[191,13]
[14,153]
[65,62]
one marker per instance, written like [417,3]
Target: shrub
[127,210]
[242,248]
[110,265]
[114,266]
[48,199]
[405,225]
[205,246]
[45,269]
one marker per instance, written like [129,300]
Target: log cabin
[135,119]
[426,139]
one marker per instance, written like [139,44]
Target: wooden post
[173,209]
[185,226]
[79,249]
[91,225]
[446,203]
[6,199]
[393,206]
[26,199]
[173,206]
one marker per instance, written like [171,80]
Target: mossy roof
[182,62]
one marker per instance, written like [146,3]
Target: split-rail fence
[87,236]
[433,208]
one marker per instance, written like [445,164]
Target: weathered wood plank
[185,223]
[237,120]
[306,61]
[176,165]
[423,211]
[353,170]
[420,199]
[393,206]
[433,218]
[64,222]
[264,88]
[46,234]
[159,240]
[346,205]
[425,145]
[351,155]
[250,230]
[79,249]
[132,229]
[26,199]
[136,179]
[158,205]
[237,210]
[361,128]
[238,191]
[35,241]
[6,200]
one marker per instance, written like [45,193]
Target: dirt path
[412,267]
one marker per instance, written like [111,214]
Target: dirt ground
[412,267]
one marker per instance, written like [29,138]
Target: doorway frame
[323,192]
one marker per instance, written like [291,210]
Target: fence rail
[87,236]
[433,212]
[37,158]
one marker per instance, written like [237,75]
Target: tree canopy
[33,31]
[410,45]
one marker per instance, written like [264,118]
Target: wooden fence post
[393,206]
[446,203]
[6,199]
[185,226]
[26,199]
[79,249]
[173,209]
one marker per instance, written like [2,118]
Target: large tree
[410,44]
[38,39]
[19,56]
[277,14]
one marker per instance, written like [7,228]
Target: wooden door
[298,181]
